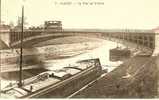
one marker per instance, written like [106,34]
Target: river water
[101,52]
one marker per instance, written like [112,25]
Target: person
[117,86]
[10,84]
[117,89]
[31,88]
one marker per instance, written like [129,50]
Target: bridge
[145,38]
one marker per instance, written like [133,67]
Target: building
[53,25]
[4,33]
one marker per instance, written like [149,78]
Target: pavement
[135,78]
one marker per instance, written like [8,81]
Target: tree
[19,22]
[11,24]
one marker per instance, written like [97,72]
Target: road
[136,78]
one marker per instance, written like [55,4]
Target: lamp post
[21,48]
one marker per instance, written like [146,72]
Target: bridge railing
[33,37]
[143,38]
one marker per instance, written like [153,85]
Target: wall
[156,45]
[5,37]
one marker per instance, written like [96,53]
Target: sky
[109,14]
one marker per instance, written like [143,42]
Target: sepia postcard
[96,49]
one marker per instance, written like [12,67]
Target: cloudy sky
[134,14]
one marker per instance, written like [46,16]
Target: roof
[60,74]
[3,26]
[72,71]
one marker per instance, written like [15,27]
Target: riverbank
[133,79]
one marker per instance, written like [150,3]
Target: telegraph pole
[21,49]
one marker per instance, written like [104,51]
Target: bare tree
[19,23]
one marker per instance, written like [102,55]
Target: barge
[57,83]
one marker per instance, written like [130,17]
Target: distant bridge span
[147,39]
